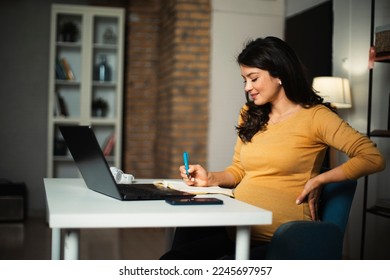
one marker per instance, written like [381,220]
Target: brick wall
[167,85]
[141,87]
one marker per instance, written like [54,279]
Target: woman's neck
[283,110]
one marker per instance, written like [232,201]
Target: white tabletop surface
[72,205]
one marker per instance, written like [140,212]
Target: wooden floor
[31,240]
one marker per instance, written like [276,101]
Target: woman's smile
[254,95]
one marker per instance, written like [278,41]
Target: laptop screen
[89,158]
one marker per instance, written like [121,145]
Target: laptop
[89,158]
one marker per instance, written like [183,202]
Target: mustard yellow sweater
[271,170]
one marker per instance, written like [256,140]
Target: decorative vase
[102,70]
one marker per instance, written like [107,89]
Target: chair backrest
[299,240]
[335,203]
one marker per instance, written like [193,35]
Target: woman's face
[260,85]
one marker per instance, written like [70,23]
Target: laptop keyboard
[145,190]
[139,190]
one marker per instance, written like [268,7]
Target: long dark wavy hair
[279,59]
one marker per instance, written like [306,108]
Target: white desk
[71,205]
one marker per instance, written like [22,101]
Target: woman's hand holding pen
[198,176]
[193,175]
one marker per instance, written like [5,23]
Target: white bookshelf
[82,54]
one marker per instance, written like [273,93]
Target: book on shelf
[181,186]
[60,74]
[60,106]
[63,70]
[67,69]
[109,145]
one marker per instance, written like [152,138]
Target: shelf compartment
[379,211]
[382,58]
[381,208]
[105,30]
[104,84]
[107,95]
[69,83]
[69,27]
[70,99]
[380,133]
[69,45]
[104,47]
[99,31]
[103,121]
[60,120]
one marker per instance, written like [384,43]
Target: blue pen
[185,159]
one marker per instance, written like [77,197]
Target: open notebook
[181,186]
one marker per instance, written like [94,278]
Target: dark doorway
[310,35]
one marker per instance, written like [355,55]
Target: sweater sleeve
[364,156]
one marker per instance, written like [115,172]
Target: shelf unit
[80,35]
[381,208]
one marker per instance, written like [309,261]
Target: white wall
[233,23]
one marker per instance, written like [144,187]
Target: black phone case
[194,201]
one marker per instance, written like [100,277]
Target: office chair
[307,240]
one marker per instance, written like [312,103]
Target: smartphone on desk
[194,201]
